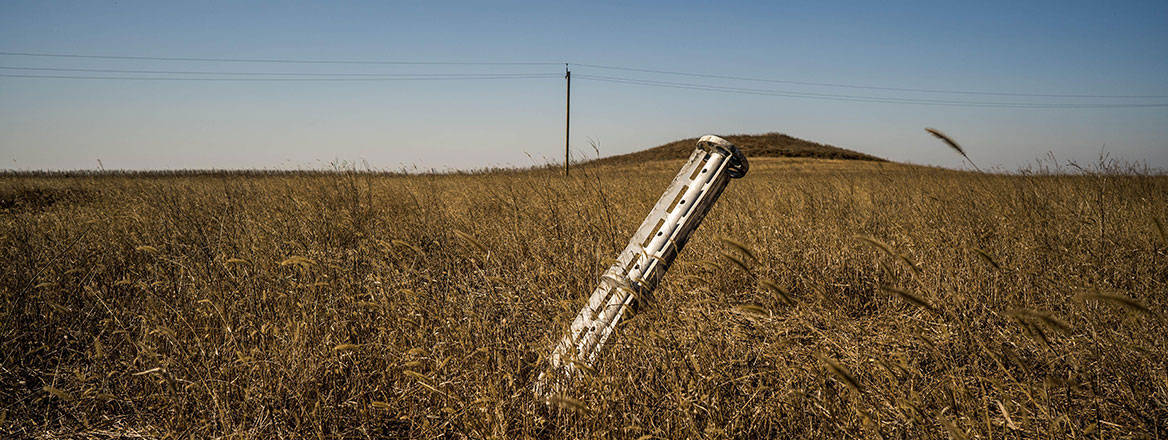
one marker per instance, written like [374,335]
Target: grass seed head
[740,247]
[1116,299]
[840,371]
[1046,319]
[411,247]
[470,240]
[737,262]
[985,256]
[752,309]
[876,243]
[783,293]
[951,143]
[909,297]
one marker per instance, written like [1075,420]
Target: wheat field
[820,298]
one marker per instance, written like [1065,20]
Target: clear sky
[1083,48]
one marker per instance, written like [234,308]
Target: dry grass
[354,305]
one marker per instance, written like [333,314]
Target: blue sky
[1093,48]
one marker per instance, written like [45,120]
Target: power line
[856,98]
[205,75]
[610,79]
[279,60]
[171,78]
[548,63]
[855,86]
[205,72]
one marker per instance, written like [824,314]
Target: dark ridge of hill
[752,145]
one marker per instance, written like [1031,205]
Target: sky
[863,48]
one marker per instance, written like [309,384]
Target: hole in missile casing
[685,213]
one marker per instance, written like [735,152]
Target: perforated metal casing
[650,252]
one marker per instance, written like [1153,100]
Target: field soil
[907,302]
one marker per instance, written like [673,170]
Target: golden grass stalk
[737,261]
[876,244]
[946,139]
[752,309]
[143,373]
[1120,300]
[783,293]
[423,380]
[840,371]
[1006,415]
[985,256]
[1046,319]
[740,246]
[708,265]
[909,297]
[471,241]
[884,247]
[407,246]
[416,375]
[952,144]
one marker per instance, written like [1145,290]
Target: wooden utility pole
[567,114]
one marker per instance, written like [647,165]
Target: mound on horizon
[753,145]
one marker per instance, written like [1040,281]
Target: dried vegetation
[847,299]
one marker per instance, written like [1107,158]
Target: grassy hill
[753,145]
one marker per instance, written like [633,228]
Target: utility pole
[567,114]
